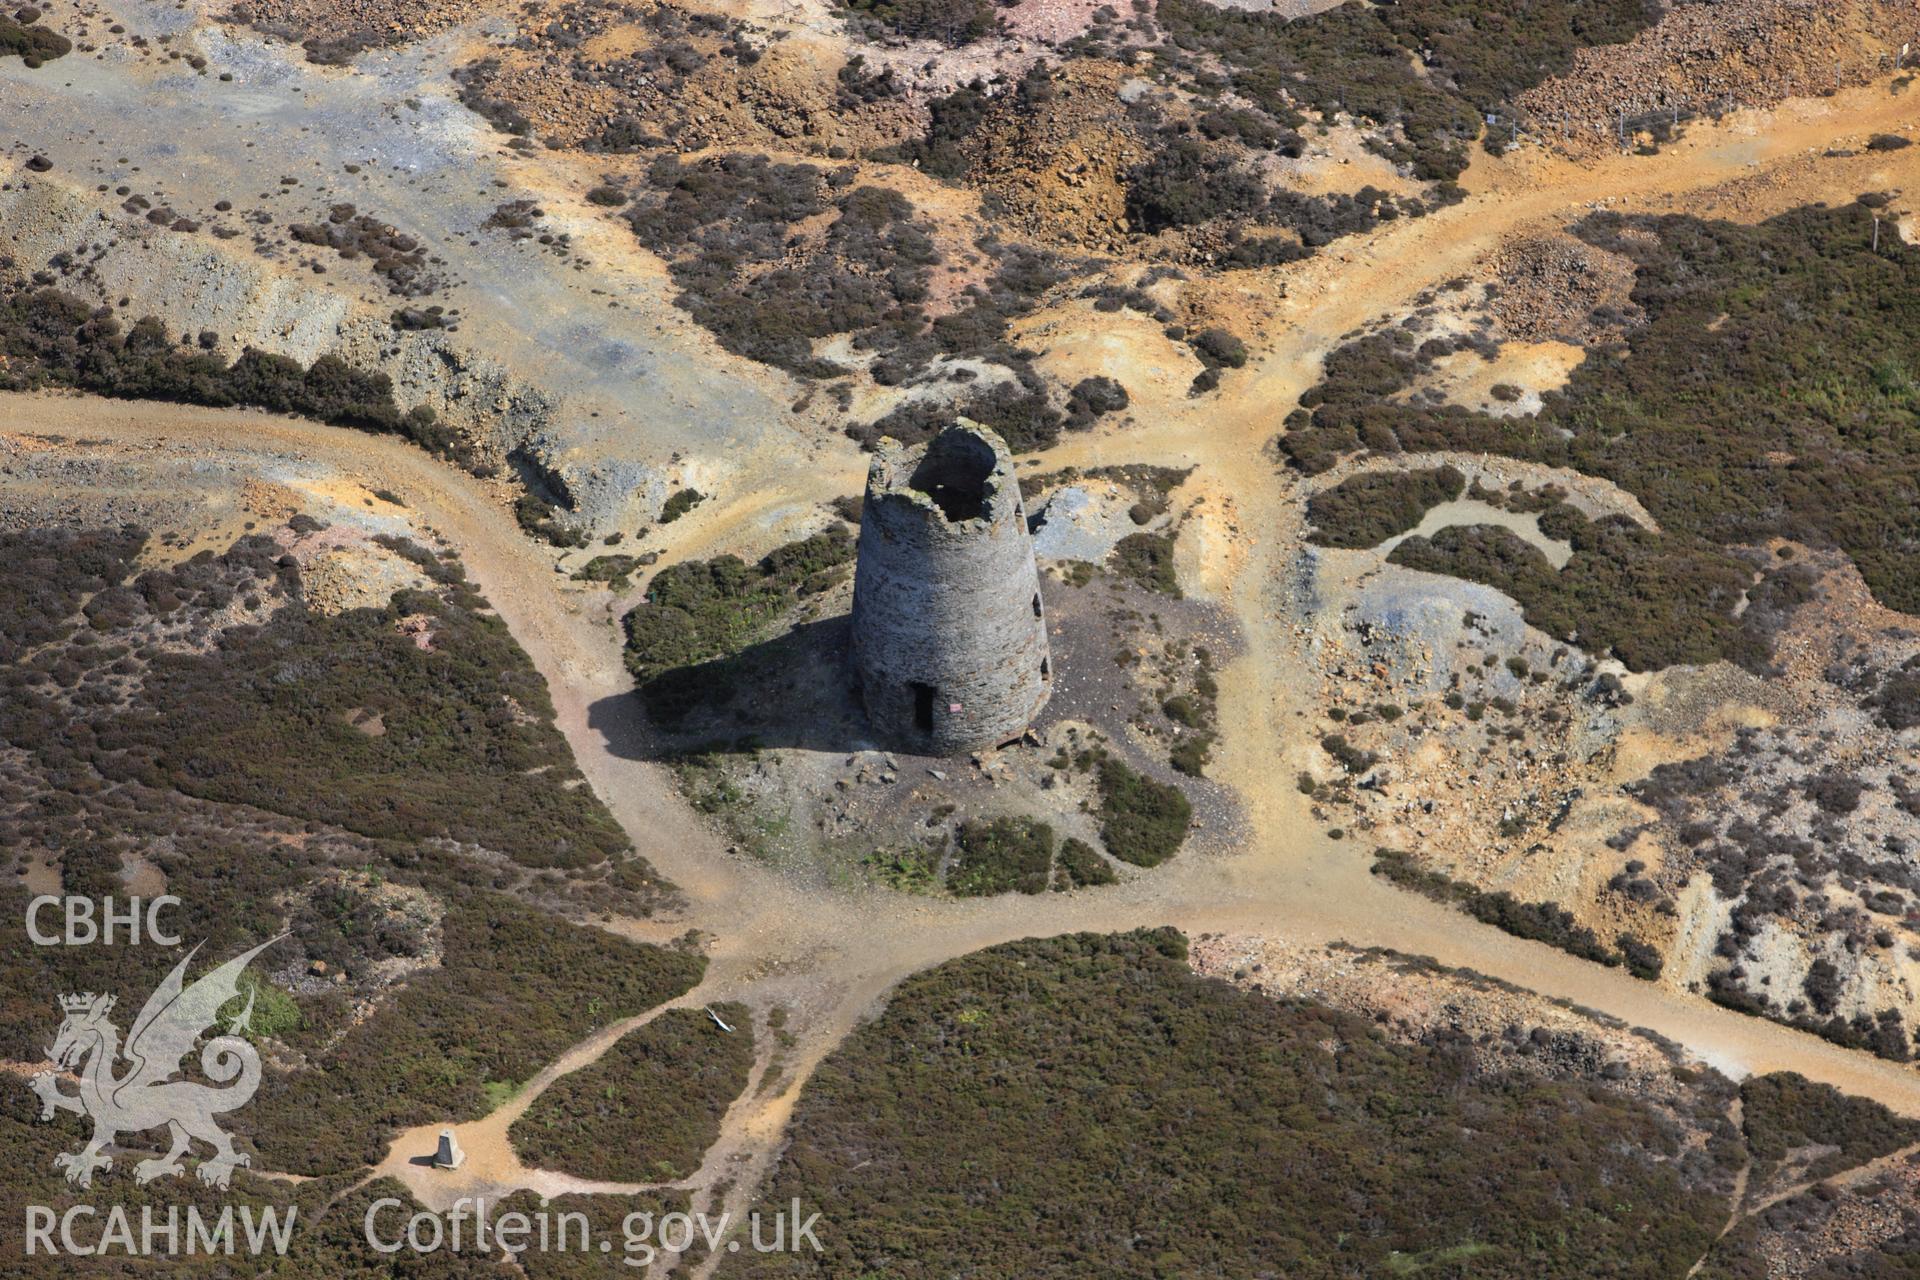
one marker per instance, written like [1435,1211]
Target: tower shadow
[795,690]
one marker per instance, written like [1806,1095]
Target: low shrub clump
[650,1107]
[1544,922]
[1219,349]
[1142,821]
[679,504]
[1896,702]
[1185,184]
[52,338]
[538,517]
[1643,961]
[615,570]
[1093,397]
[952,120]
[952,22]
[1081,866]
[396,257]
[32,43]
[702,609]
[1001,855]
[1473,59]
[1365,510]
[1147,558]
[1785,1112]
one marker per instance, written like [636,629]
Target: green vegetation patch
[1087,1105]
[614,570]
[703,609]
[912,869]
[650,1107]
[1147,558]
[1768,394]
[952,22]
[679,504]
[1785,1112]
[1080,866]
[1191,753]
[269,714]
[30,42]
[1432,68]
[267,719]
[1365,510]
[1649,600]
[1000,856]
[140,722]
[49,338]
[1544,922]
[990,856]
[1194,712]
[514,989]
[1141,821]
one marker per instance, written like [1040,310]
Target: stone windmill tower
[949,638]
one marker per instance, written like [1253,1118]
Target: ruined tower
[949,638]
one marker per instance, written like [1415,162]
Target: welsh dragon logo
[146,1094]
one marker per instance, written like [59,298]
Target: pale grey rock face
[1083,522]
[949,634]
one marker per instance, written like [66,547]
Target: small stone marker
[449,1155]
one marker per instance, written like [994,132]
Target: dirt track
[833,957]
